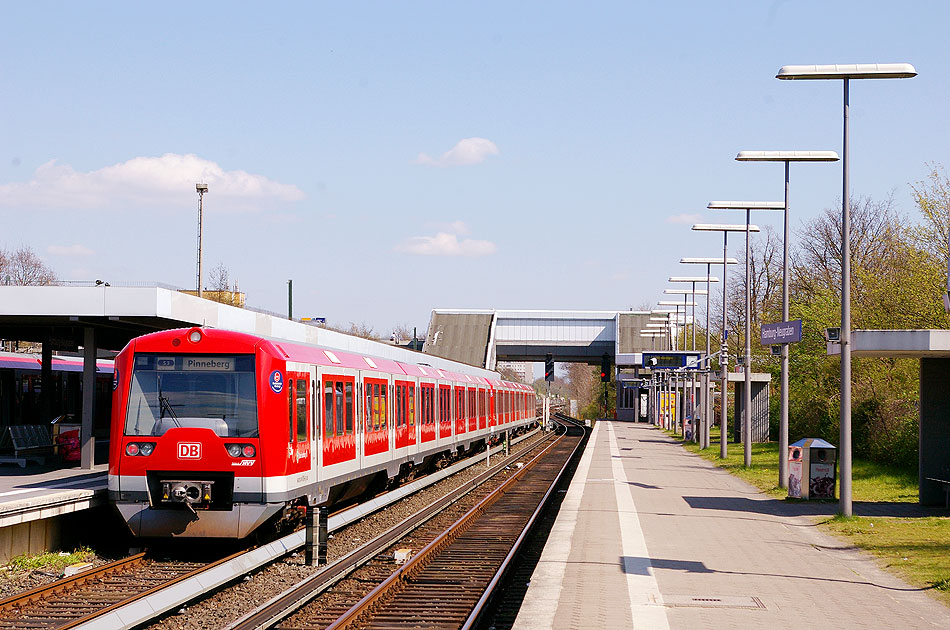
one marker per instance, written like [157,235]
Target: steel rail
[420,560]
[473,617]
[46,590]
[291,600]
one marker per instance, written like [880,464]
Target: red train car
[215,433]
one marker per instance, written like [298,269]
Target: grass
[52,562]
[916,549]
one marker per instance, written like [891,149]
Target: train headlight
[241,450]
[139,448]
[194,336]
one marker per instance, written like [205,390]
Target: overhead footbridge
[484,337]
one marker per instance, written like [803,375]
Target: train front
[185,455]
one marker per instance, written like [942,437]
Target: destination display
[671,360]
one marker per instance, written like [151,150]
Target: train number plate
[189,450]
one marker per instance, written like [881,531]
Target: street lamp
[846,72]
[703,422]
[201,189]
[707,408]
[724,357]
[748,206]
[786,157]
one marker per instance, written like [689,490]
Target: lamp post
[201,189]
[748,206]
[724,357]
[702,428]
[707,407]
[846,72]
[681,408]
[786,157]
[690,399]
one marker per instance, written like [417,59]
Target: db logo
[189,450]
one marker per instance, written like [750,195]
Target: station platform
[651,536]
[33,499]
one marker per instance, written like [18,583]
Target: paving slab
[652,536]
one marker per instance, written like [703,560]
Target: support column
[46,384]
[87,454]
[934,450]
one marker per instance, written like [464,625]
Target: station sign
[782,332]
[671,360]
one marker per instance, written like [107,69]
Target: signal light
[549,367]
[605,368]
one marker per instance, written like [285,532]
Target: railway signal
[605,368]
[549,367]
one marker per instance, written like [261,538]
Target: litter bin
[812,469]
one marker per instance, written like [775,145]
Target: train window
[375,406]
[339,407]
[382,408]
[301,410]
[328,408]
[314,409]
[290,409]
[412,405]
[348,385]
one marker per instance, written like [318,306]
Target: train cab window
[348,386]
[412,405]
[301,398]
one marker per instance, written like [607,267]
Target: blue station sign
[782,332]
[671,360]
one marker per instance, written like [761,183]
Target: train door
[404,412]
[459,410]
[375,410]
[298,421]
[445,411]
[427,402]
[315,434]
[339,439]
[482,404]
[470,409]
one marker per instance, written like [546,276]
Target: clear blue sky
[396,157]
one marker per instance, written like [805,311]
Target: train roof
[329,357]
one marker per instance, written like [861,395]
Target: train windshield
[216,392]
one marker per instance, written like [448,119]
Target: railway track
[448,582]
[68,602]
[101,597]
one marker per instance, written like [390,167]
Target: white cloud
[685,218]
[69,250]
[445,244]
[166,181]
[467,151]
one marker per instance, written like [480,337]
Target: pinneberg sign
[782,332]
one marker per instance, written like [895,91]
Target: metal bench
[28,442]
[946,487]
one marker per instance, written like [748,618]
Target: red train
[215,433]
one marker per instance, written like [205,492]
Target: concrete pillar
[934,451]
[46,379]
[87,454]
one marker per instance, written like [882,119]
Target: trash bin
[812,469]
